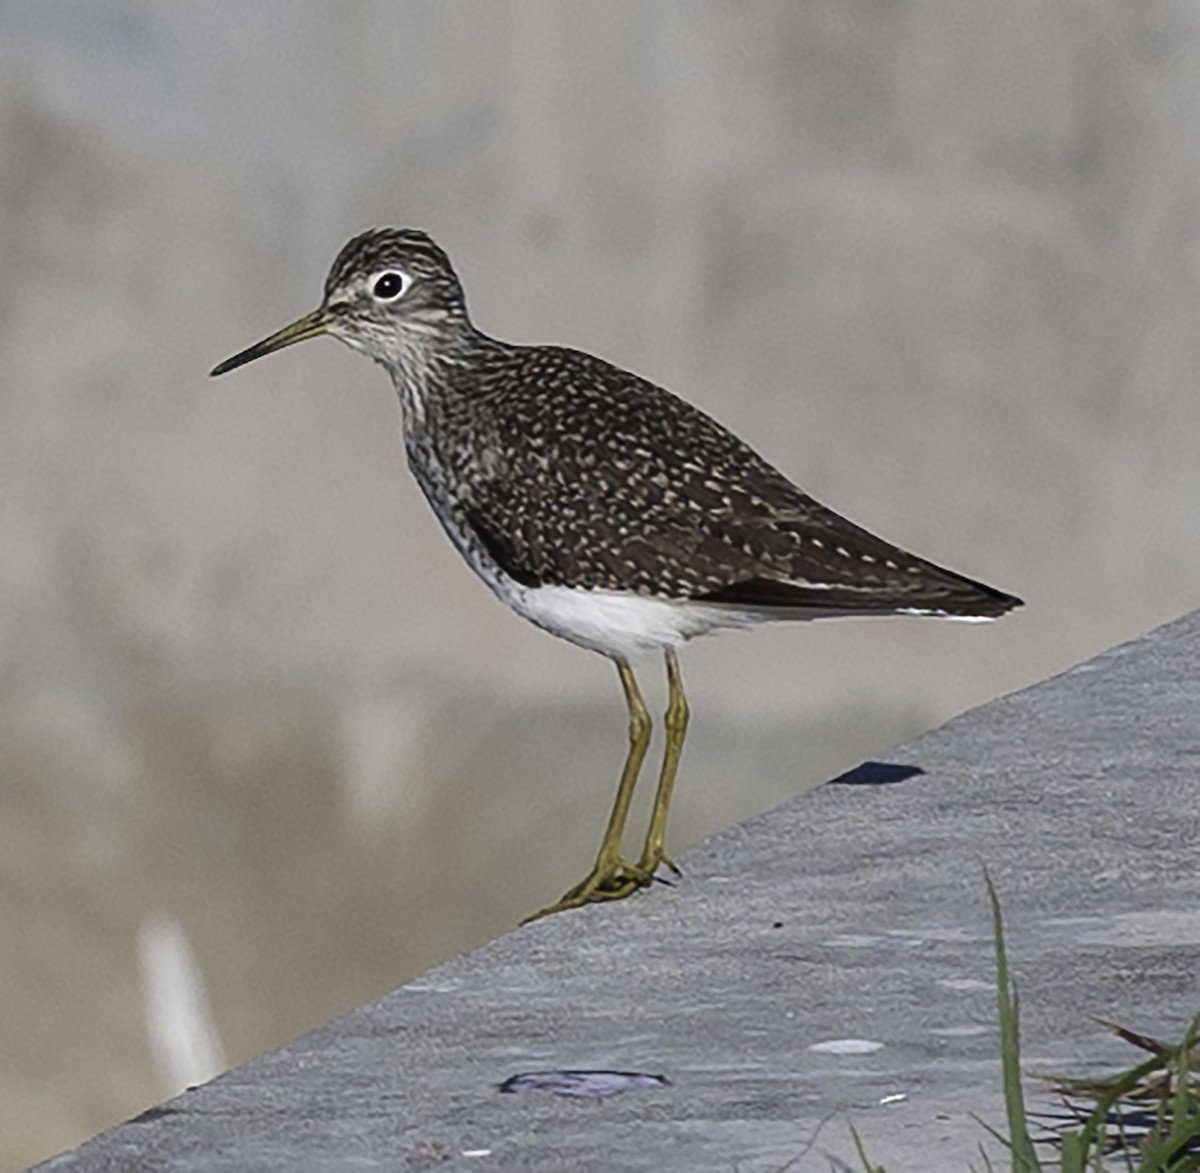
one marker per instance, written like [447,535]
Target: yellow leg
[613,877]
[676,723]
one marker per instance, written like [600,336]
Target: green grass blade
[1096,1126]
[1073,1153]
[862,1153]
[1179,1117]
[1024,1157]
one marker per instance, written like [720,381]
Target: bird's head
[390,293]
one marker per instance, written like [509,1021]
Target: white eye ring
[390,285]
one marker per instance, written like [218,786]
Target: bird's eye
[390,285]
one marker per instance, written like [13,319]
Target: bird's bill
[308,326]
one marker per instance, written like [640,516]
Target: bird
[602,507]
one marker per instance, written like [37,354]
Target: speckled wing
[599,479]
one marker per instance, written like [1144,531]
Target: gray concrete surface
[855,912]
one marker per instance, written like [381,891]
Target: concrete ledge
[856,911]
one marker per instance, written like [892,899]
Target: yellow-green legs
[614,877]
[676,722]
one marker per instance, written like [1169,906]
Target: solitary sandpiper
[602,507]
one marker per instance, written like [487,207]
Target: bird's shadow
[876,774]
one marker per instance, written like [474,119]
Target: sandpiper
[602,507]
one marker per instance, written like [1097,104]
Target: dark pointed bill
[308,326]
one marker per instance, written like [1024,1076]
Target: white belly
[616,624]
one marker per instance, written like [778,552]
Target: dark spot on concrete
[876,774]
[155,1113]
[583,1084]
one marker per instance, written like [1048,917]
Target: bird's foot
[653,858]
[606,881]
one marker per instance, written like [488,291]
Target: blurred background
[267,749]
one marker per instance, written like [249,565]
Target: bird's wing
[615,484]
